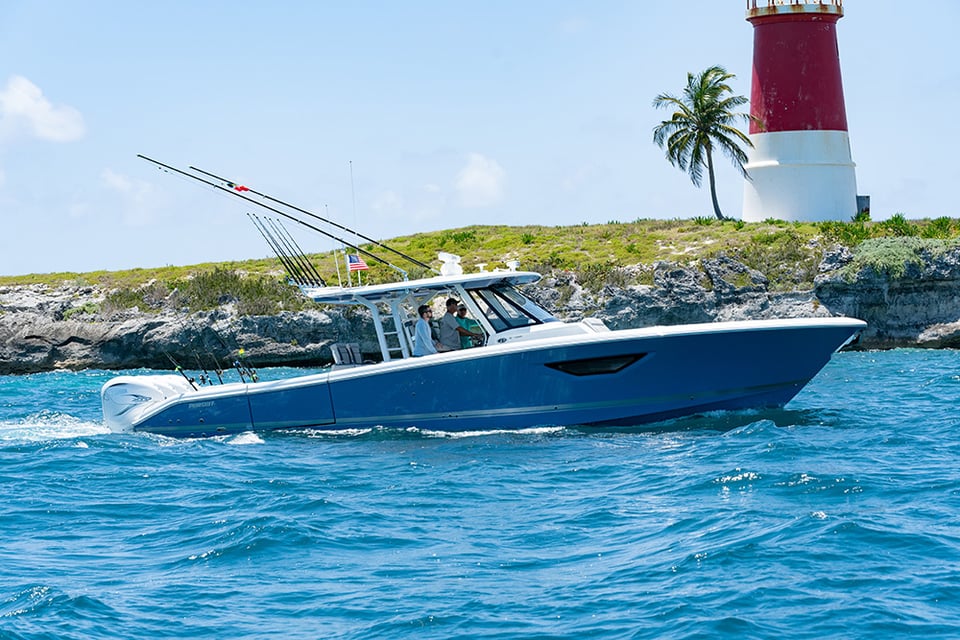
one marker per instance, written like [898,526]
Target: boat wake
[720,421]
[414,433]
[49,425]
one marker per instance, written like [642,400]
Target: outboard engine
[125,398]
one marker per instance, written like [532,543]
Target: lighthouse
[800,167]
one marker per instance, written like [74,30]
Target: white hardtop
[424,287]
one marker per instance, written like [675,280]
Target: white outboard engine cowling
[126,398]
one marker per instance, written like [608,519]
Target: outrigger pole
[277,211]
[233,185]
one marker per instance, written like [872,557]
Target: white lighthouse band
[800,175]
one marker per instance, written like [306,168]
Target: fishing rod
[282,246]
[280,256]
[301,253]
[277,211]
[285,260]
[250,370]
[219,369]
[204,377]
[179,369]
[241,367]
[207,351]
[224,344]
[296,255]
[234,185]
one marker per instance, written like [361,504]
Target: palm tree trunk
[713,184]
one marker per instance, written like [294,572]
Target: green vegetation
[894,255]
[88,308]
[788,253]
[702,123]
[197,289]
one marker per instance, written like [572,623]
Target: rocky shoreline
[44,328]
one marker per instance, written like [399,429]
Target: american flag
[356,263]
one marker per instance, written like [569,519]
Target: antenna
[353,194]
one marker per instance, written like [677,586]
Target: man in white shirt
[423,344]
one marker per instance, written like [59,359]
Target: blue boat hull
[621,378]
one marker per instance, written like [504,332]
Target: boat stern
[125,398]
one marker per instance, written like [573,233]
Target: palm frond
[704,119]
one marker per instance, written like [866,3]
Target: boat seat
[346,354]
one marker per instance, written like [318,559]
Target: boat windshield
[506,308]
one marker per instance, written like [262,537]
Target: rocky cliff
[44,328]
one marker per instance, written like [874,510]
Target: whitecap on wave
[247,437]
[453,435]
[48,425]
[326,433]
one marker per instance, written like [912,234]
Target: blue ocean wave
[834,517]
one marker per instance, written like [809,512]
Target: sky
[394,118]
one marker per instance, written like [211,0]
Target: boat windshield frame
[505,308]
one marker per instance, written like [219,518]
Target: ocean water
[837,517]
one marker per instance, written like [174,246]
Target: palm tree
[703,121]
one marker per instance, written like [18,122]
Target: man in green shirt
[470,325]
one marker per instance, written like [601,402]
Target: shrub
[87,308]
[848,234]
[124,298]
[209,289]
[888,255]
[938,228]
[463,237]
[597,275]
[783,256]
[898,226]
[203,290]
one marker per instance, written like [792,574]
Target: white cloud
[420,205]
[137,197]
[388,202]
[120,183]
[24,109]
[481,182]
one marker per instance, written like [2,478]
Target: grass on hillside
[788,253]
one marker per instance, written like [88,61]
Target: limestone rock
[918,309]
[44,328]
